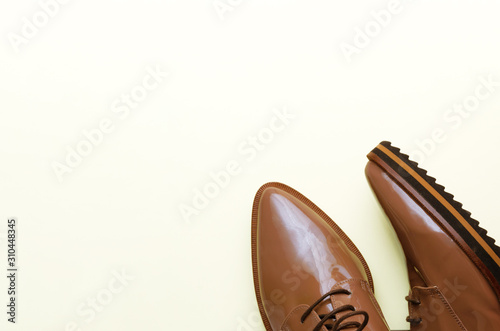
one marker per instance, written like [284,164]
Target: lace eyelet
[414,321]
[413,301]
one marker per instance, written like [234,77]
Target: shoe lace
[338,324]
[413,320]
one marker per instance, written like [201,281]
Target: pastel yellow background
[112,232]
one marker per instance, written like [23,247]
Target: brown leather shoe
[308,275]
[453,266]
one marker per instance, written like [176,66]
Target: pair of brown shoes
[309,276]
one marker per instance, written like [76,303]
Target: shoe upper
[299,258]
[448,292]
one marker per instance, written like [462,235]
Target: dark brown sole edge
[323,215]
[446,211]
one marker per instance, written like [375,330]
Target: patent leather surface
[435,260]
[300,258]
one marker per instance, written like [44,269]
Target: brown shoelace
[413,320]
[338,324]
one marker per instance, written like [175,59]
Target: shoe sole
[444,210]
[323,215]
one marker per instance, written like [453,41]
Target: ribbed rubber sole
[451,216]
